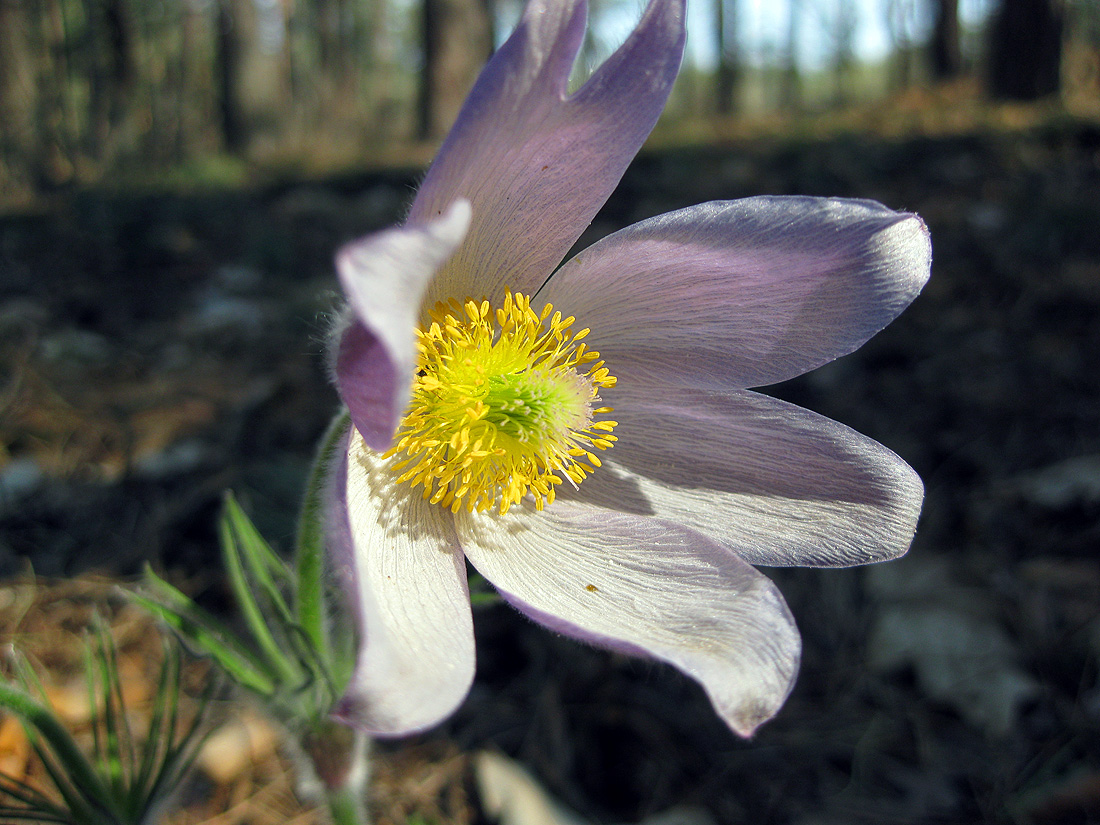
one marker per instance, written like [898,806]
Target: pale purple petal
[774,483]
[640,586]
[536,164]
[737,294]
[416,657]
[384,277]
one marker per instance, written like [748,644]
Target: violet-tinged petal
[774,483]
[384,277]
[416,656]
[536,164]
[737,294]
[339,547]
[640,586]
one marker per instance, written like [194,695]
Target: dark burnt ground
[159,349]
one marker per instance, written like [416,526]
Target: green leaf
[31,814]
[28,678]
[29,681]
[206,635]
[311,541]
[119,751]
[162,724]
[69,759]
[286,671]
[36,807]
[261,562]
[125,782]
[79,801]
[178,753]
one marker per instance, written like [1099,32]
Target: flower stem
[347,806]
[340,761]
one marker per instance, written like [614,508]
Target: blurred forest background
[176,175]
[120,89]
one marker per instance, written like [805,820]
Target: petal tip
[911,241]
[746,719]
[356,713]
[911,502]
[385,277]
[395,718]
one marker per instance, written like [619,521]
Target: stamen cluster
[503,406]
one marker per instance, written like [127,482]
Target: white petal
[772,482]
[384,277]
[641,586]
[416,656]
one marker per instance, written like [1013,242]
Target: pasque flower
[585,439]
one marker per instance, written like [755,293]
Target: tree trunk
[1026,49]
[110,69]
[726,76]
[335,26]
[790,96]
[456,36]
[17,127]
[53,164]
[185,81]
[945,51]
[121,70]
[228,69]
[845,25]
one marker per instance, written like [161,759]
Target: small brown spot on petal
[591,588]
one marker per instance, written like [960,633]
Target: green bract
[288,655]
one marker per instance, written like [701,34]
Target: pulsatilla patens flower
[585,439]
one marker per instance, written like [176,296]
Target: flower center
[502,406]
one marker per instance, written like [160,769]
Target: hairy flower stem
[340,761]
[347,806]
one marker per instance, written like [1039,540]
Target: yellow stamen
[502,406]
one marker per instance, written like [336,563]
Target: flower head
[586,440]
